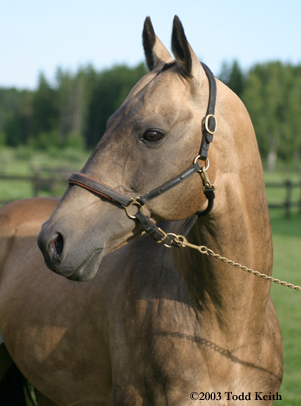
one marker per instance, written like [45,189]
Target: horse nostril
[56,246]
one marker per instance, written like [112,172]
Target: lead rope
[171,240]
[182,242]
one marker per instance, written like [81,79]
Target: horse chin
[86,271]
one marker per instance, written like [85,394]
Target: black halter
[100,189]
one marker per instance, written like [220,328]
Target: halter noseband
[103,190]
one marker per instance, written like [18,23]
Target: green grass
[287,266]
[23,159]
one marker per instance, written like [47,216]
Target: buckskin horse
[154,326]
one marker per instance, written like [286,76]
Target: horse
[151,325]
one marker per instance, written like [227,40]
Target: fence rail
[289,203]
[47,181]
[39,182]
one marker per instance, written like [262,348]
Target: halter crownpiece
[210,123]
[103,190]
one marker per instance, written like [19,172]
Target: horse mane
[168,66]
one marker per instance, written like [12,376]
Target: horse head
[153,137]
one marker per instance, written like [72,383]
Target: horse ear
[155,52]
[187,61]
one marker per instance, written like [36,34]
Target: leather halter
[103,190]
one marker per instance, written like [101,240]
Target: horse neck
[239,229]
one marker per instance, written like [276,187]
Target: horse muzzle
[53,248]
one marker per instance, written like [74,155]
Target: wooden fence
[289,203]
[46,180]
[42,180]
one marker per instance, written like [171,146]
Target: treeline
[73,111]
[272,95]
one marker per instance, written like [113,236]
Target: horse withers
[154,326]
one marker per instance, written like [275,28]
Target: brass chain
[179,239]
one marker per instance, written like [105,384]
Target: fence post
[36,184]
[288,201]
[300,199]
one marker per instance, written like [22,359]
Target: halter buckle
[206,124]
[136,203]
[203,168]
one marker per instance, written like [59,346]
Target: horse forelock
[167,66]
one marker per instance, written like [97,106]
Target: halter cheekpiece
[103,190]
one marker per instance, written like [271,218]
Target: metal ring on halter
[207,124]
[180,239]
[169,235]
[133,202]
[202,169]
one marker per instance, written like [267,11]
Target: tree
[74,94]
[233,77]
[10,101]
[272,97]
[44,109]
[112,87]
[16,110]
[290,143]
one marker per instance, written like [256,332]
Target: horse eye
[152,136]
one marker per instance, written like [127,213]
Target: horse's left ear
[155,51]
[187,61]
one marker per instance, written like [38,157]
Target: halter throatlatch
[103,190]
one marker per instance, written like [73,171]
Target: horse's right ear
[155,52]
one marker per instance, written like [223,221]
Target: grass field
[286,239]
[287,266]
[24,161]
